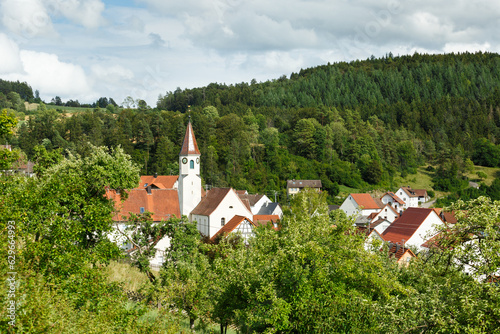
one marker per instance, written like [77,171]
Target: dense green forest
[357,124]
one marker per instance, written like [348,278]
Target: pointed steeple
[189,145]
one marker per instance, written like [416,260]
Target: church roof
[163,203]
[189,145]
[160,181]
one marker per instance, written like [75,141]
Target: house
[387,212]
[217,208]
[412,197]
[238,224]
[265,219]
[401,254]
[261,204]
[294,186]
[391,198]
[414,227]
[360,204]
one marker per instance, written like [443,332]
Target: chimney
[156,175]
[148,189]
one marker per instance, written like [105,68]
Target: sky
[87,49]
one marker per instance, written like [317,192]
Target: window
[141,209]
[222,221]
[191,164]
[230,206]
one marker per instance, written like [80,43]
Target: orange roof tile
[365,201]
[398,251]
[189,145]
[161,181]
[258,219]
[163,203]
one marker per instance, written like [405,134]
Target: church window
[191,164]
[222,221]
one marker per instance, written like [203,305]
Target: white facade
[388,199]
[161,249]
[426,231]
[410,201]
[259,204]
[351,208]
[227,208]
[387,213]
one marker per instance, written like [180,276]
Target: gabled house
[412,197]
[217,208]
[391,198]
[295,186]
[414,227]
[387,212]
[380,225]
[360,204]
[401,254]
[260,204]
[238,224]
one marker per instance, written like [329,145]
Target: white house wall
[426,231]
[350,207]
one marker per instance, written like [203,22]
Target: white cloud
[27,18]
[11,59]
[87,13]
[45,72]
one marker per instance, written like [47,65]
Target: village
[398,219]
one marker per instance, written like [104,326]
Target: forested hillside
[358,124]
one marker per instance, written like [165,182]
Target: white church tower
[189,187]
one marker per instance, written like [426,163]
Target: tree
[186,274]
[7,123]
[64,214]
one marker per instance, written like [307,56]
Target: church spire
[189,145]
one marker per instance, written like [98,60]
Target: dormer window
[145,185]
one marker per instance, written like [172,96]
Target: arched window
[191,164]
[222,221]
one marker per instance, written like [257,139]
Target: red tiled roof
[449,217]
[365,201]
[406,225]
[211,201]
[398,251]
[230,226]
[189,145]
[265,218]
[161,181]
[163,203]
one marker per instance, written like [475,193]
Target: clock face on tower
[184,160]
[197,160]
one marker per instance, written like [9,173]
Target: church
[217,211]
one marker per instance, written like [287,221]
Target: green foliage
[63,216]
